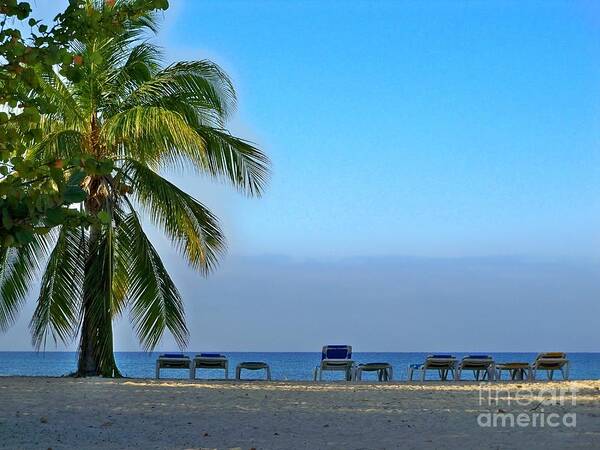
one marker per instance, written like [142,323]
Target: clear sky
[436,176]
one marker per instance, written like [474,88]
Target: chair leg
[192,371]
[268,373]
[423,374]
[238,373]
[157,370]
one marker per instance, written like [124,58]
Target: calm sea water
[284,366]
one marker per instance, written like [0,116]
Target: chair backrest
[477,357]
[173,355]
[211,355]
[440,360]
[552,355]
[336,352]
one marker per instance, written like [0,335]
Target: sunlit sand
[96,413]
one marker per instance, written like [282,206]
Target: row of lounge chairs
[485,368]
[207,361]
[339,358]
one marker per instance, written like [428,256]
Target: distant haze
[465,135]
[382,304]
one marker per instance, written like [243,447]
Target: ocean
[284,366]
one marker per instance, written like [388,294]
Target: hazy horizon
[403,304]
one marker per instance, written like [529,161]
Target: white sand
[57,413]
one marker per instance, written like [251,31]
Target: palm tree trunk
[88,364]
[96,356]
[91,361]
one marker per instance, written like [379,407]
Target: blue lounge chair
[209,361]
[172,361]
[444,364]
[335,358]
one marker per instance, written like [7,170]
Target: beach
[95,413]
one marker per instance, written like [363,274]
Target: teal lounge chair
[443,364]
[482,366]
[172,361]
[550,362]
[209,361]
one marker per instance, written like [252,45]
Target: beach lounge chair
[209,361]
[482,366]
[442,363]
[335,358]
[385,372]
[253,365]
[551,362]
[172,361]
[517,370]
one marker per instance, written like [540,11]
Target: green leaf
[55,216]
[104,217]
[77,177]
[74,194]
[24,236]
[6,219]
[96,58]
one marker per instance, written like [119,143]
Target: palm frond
[200,84]
[193,229]
[156,304]
[59,301]
[121,262]
[57,143]
[152,135]
[60,95]
[18,267]
[142,62]
[237,160]
[157,136]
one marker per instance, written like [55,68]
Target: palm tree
[129,109]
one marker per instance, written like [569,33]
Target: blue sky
[421,128]
[446,151]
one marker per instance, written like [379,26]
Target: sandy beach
[65,413]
